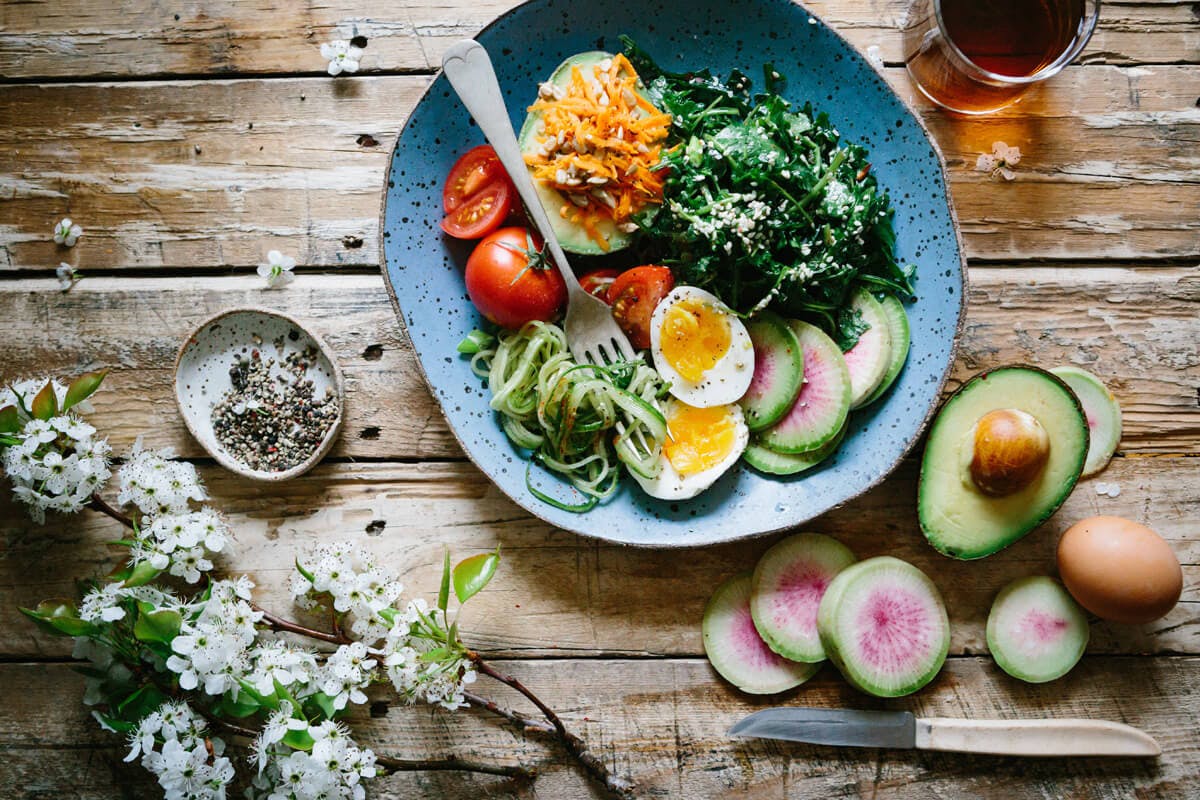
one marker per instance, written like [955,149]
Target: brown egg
[1119,570]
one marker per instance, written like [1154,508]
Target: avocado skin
[942,446]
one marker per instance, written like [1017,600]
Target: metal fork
[593,336]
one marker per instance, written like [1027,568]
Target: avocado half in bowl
[1003,454]
[573,237]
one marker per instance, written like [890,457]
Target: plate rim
[710,540]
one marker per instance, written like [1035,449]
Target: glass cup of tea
[977,56]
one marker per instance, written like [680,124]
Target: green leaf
[241,707]
[298,740]
[323,703]
[83,387]
[266,701]
[45,403]
[282,692]
[10,419]
[141,702]
[444,592]
[308,576]
[142,574]
[156,626]
[472,574]
[436,654]
[60,617]
[118,725]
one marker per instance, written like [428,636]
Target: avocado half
[572,237]
[956,517]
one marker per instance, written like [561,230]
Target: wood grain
[1138,328]
[147,38]
[662,723]
[213,174]
[558,593]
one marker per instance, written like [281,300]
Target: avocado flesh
[958,519]
[572,237]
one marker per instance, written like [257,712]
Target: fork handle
[469,69]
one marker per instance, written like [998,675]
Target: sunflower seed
[578,200]
[597,181]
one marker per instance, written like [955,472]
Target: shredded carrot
[597,143]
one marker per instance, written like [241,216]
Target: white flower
[278,269]
[342,56]
[67,276]
[278,661]
[67,232]
[212,648]
[999,161]
[349,577]
[155,484]
[103,603]
[441,682]
[273,732]
[346,673]
[190,763]
[56,465]
[875,56]
[181,542]
[332,770]
[21,393]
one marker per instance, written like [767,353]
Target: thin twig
[454,763]
[618,786]
[392,764]
[281,624]
[518,719]
[99,504]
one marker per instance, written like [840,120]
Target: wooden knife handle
[1036,737]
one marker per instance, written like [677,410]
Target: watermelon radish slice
[1035,630]
[786,592]
[823,402]
[1103,414]
[764,459]
[778,371]
[735,649]
[868,360]
[883,624]
[897,320]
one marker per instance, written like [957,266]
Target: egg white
[670,485]
[728,379]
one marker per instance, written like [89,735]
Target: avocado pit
[1010,449]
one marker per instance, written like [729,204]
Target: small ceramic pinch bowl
[202,377]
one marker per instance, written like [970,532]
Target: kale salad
[764,205]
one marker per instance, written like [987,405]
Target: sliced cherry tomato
[633,296]
[478,167]
[597,282]
[481,213]
[511,282]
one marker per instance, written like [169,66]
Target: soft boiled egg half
[702,444]
[701,348]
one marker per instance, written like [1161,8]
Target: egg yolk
[699,438]
[694,337]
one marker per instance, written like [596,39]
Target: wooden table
[189,138]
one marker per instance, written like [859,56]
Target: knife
[900,729]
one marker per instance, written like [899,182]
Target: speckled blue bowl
[423,268]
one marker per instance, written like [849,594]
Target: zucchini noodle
[580,420]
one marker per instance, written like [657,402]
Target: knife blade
[901,730]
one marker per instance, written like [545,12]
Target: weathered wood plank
[215,173]
[558,593]
[142,38]
[1136,327]
[663,722]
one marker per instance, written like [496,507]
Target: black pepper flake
[272,423]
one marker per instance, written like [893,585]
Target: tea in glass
[976,56]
